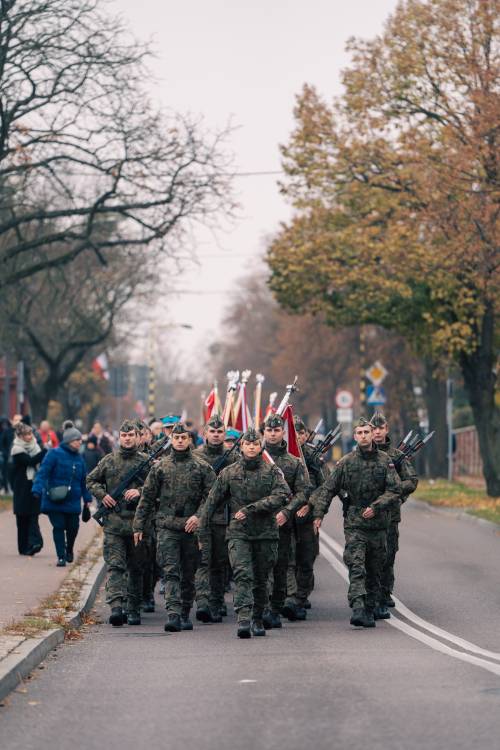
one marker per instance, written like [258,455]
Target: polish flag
[100,366]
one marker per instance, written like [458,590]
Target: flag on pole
[228,410]
[291,433]
[258,400]
[100,366]
[272,400]
[212,404]
[241,414]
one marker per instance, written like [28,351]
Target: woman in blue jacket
[63,467]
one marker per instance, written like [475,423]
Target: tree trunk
[41,393]
[435,399]
[478,370]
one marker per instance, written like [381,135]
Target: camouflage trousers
[303,553]
[387,580]
[365,554]
[279,581]
[150,570]
[219,562]
[178,558]
[251,561]
[125,563]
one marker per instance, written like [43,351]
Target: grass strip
[445,494]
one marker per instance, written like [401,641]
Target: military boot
[300,613]
[358,617]
[173,624]
[203,613]
[381,613]
[369,621]
[116,617]
[244,630]
[258,627]
[307,604]
[267,619]
[275,620]
[134,618]
[148,605]
[186,623]
[289,611]
[215,615]
[389,601]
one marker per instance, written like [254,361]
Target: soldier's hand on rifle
[240,516]
[368,513]
[137,537]
[131,494]
[317,524]
[303,511]
[108,501]
[281,518]
[192,524]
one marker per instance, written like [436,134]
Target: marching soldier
[173,494]
[121,555]
[306,547]
[409,481]
[211,452]
[254,491]
[295,477]
[371,482]
[149,573]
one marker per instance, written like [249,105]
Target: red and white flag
[100,366]
[291,433]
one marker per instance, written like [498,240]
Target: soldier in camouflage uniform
[373,487]
[306,547]
[254,491]
[409,481]
[211,452]
[124,559]
[173,494]
[149,573]
[295,477]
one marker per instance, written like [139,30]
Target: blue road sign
[375,395]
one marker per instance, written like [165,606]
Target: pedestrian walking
[60,483]
[26,457]
[6,438]
[92,453]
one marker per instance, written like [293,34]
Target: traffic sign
[377,373]
[344,399]
[344,416]
[375,395]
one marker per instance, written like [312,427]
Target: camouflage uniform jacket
[110,471]
[407,475]
[174,491]
[370,480]
[211,454]
[257,488]
[318,473]
[295,476]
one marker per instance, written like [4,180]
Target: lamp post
[152,349]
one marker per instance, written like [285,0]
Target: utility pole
[449,422]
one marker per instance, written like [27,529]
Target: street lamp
[152,345]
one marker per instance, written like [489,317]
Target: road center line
[427,640]
[403,610]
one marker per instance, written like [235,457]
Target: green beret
[299,424]
[378,420]
[251,435]
[215,421]
[274,421]
[128,425]
[179,429]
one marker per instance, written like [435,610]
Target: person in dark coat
[92,453]
[6,438]
[64,467]
[26,457]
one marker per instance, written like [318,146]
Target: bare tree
[81,146]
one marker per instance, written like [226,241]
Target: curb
[30,652]
[457,513]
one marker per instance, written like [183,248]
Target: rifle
[314,432]
[117,493]
[324,445]
[411,446]
[291,388]
[219,464]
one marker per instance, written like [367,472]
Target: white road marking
[425,624]
[245,682]
[408,629]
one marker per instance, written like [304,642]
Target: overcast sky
[243,62]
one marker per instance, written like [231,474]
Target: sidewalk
[25,581]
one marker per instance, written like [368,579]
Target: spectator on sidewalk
[102,439]
[26,457]
[63,467]
[6,438]
[49,437]
[92,453]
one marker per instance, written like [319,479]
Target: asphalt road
[409,683]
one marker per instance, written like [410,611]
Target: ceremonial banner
[291,433]
[258,400]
